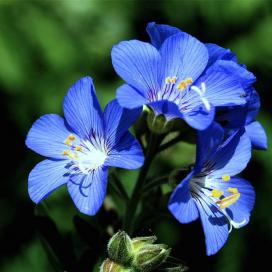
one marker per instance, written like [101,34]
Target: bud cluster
[134,255]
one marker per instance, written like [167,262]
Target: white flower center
[90,158]
[86,156]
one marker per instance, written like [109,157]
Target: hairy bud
[120,248]
[150,257]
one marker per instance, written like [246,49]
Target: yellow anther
[184,83]
[66,152]
[71,137]
[217,193]
[71,155]
[171,80]
[226,177]
[233,190]
[227,201]
[67,142]
[78,148]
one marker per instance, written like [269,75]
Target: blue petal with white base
[82,147]
[211,192]
[174,68]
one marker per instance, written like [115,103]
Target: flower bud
[150,257]
[139,242]
[120,248]
[110,266]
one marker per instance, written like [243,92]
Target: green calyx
[110,266]
[134,255]
[120,248]
[157,123]
[149,257]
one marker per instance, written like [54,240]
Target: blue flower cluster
[177,76]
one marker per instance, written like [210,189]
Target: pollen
[233,190]
[184,83]
[226,177]
[228,201]
[67,142]
[78,148]
[71,137]
[71,155]
[217,193]
[171,80]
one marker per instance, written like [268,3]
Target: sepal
[120,248]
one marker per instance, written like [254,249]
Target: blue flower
[81,147]
[211,190]
[232,118]
[172,76]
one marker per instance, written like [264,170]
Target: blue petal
[81,108]
[181,204]
[208,141]
[200,118]
[47,135]
[117,121]
[168,109]
[46,177]
[214,224]
[239,212]
[233,156]
[158,33]
[183,56]
[219,53]
[253,105]
[231,68]
[257,135]
[127,153]
[130,98]
[89,192]
[232,117]
[137,63]
[222,89]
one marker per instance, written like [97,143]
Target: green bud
[139,242]
[150,257]
[110,266]
[120,248]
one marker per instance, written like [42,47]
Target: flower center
[86,156]
[182,93]
[205,186]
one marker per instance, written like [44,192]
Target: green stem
[170,143]
[155,183]
[131,208]
[118,186]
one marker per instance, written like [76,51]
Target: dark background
[44,48]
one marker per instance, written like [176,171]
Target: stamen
[69,139]
[233,190]
[71,155]
[78,148]
[217,193]
[67,142]
[228,201]
[184,83]
[226,177]
[171,80]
